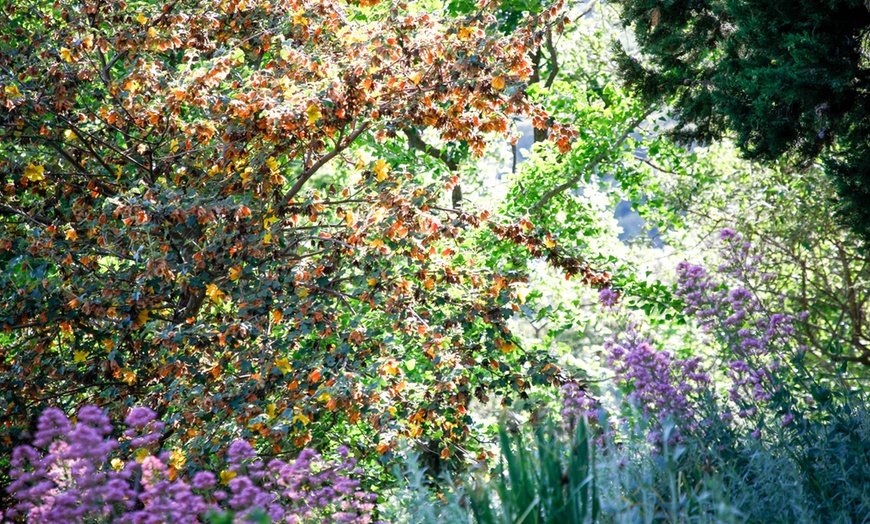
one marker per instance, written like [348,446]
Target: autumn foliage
[198,214]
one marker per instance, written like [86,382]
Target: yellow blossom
[283,365]
[34,172]
[177,458]
[382,170]
[313,113]
[214,293]
[227,476]
[140,455]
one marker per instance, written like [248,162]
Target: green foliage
[545,481]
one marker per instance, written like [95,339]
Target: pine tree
[787,78]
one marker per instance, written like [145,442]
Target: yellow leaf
[227,476]
[66,54]
[507,347]
[214,293]
[277,315]
[108,344]
[301,417]
[392,410]
[80,356]
[269,220]
[283,365]
[129,377]
[267,238]
[302,293]
[12,91]
[372,282]
[34,172]
[117,464]
[140,455]
[391,367]
[71,235]
[270,410]
[498,83]
[382,170]
[152,32]
[416,78]
[235,273]
[142,19]
[324,397]
[549,242]
[522,293]
[142,317]
[349,218]
[272,164]
[313,113]
[70,134]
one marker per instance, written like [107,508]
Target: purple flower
[728,234]
[74,478]
[608,297]
[140,417]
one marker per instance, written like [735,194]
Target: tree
[789,79]
[201,213]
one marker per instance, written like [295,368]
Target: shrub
[73,472]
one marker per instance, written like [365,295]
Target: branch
[592,164]
[308,173]
[554,60]
[8,210]
[417,143]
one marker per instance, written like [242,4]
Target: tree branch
[417,143]
[554,60]
[308,173]
[571,182]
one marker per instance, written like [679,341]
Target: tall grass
[815,472]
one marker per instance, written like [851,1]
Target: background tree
[789,79]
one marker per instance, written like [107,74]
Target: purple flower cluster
[608,297]
[576,405]
[658,383]
[67,477]
[754,336]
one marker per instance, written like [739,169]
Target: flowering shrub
[67,476]
[756,337]
[657,383]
